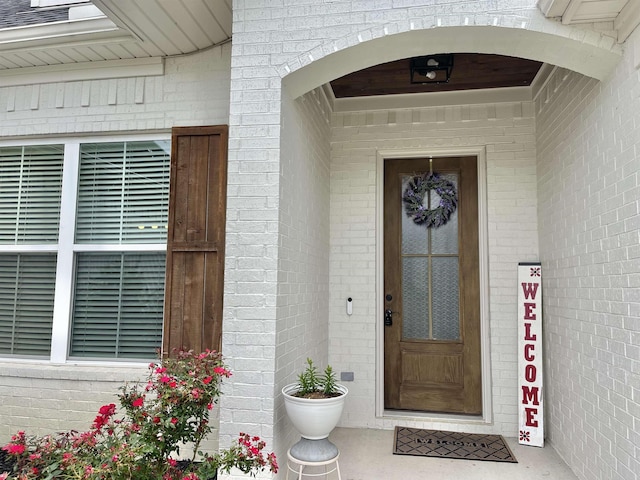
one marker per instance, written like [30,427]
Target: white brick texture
[193,91]
[301,210]
[589,219]
[44,399]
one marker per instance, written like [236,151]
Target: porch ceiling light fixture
[432,68]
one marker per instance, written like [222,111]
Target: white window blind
[27,285]
[123,199]
[30,188]
[118,305]
[123,193]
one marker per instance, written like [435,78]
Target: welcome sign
[530,393]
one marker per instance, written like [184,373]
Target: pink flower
[173,384]
[165,379]
[160,370]
[271,457]
[107,409]
[172,462]
[195,393]
[222,371]
[99,422]
[174,420]
[138,402]
[14,449]
[209,406]
[156,419]
[3,476]
[207,380]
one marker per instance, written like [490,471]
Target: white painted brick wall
[43,399]
[507,132]
[301,299]
[589,216]
[194,90]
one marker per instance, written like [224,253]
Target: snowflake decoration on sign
[535,271]
[525,436]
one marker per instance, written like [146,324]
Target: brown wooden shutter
[195,239]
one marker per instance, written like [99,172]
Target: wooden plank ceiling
[470,72]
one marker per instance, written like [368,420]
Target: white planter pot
[314,418]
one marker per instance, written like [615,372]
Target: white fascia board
[553,8]
[81,12]
[56,33]
[434,99]
[55,3]
[628,20]
[73,72]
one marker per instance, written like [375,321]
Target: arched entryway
[363,139]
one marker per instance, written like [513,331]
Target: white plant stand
[296,465]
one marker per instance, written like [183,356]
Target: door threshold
[435,417]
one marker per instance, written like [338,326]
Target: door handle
[388,319]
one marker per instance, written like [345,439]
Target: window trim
[66,248]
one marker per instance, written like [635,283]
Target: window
[82,249]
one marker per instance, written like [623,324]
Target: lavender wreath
[413,198]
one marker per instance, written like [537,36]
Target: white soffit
[172,27]
[120,30]
[625,14]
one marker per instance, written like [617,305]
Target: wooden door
[195,239]
[431,277]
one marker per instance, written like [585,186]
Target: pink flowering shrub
[159,417]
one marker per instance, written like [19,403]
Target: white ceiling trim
[57,33]
[433,99]
[624,14]
[73,72]
[628,20]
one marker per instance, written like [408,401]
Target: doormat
[441,444]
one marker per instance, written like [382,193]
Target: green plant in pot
[149,439]
[314,405]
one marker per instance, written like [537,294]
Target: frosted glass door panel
[430,275]
[445,305]
[415,294]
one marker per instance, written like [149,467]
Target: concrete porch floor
[367,455]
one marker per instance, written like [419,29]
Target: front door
[432,291]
